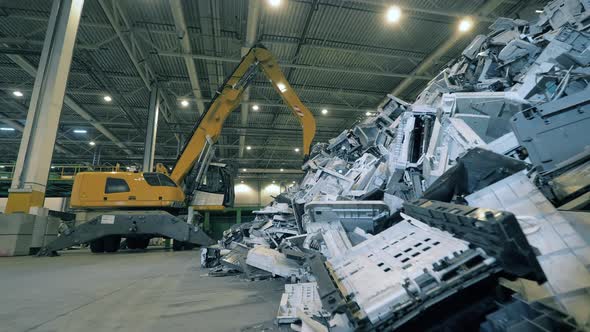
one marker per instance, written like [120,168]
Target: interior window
[151,179]
[166,181]
[115,185]
[212,181]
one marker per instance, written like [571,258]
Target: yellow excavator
[141,205]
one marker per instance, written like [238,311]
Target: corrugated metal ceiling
[348,35]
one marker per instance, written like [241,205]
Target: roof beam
[123,27]
[32,71]
[259,102]
[394,54]
[102,79]
[482,17]
[300,66]
[257,85]
[20,128]
[183,36]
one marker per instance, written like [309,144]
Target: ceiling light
[539,11]
[465,25]
[293,181]
[282,87]
[296,149]
[7,129]
[248,147]
[17,93]
[282,170]
[256,107]
[394,13]
[92,143]
[274,3]
[107,98]
[242,181]
[244,170]
[273,181]
[324,111]
[184,103]
[368,114]
[80,131]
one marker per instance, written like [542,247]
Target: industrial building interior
[295,165]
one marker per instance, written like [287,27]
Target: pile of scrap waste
[467,209]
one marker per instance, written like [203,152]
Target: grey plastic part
[302,296]
[156,223]
[497,232]
[476,169]
[556,132]
[352,214]
[520,315]
[390,278]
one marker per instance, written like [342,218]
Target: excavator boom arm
[228,99]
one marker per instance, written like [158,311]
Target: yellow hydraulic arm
[211,122]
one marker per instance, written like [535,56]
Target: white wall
[52,203]
[257,192]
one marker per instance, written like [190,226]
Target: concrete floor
[150,291]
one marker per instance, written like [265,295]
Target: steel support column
[151,130]
[38,141]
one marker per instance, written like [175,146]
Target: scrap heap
[482,181]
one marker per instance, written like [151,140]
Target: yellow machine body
[89,190]
[124,189]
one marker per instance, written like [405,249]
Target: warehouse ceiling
[342,57]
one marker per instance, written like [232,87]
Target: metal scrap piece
[301,296]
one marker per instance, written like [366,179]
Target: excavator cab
[215,190]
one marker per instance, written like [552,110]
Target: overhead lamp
[242,181]
[184,103]
[255,107]
[92,143]
[282,170]
[324,111]
[539,11]
[244,170]
[7,129]
[107,98]
[80,131]
[282,87]
[293,182]
[368,114]
[17,93]
[274,3]
[2,166]
[465,25]
[297,150]
[394,13]
[248,147]
[273,181]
